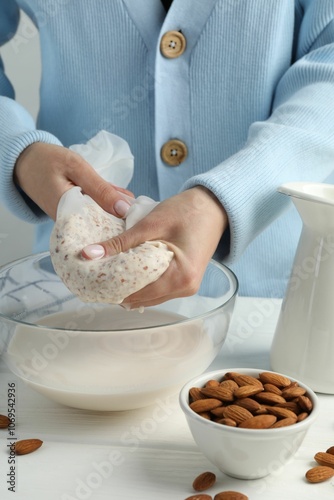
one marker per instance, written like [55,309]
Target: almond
[293,384]
[284,422]
[230,384]
[269,397]
[326,459]
[227,421]
[203,405]
[195,394]
[218,412]
[218,392]
[290,405]
[246,391]
[274,379]
[305,403]
[293,392]
[259,422]
[236,413]
[319,474]
[204,481]
[4,421]
[272,388]
[281,412]
[205,414]
[330,450]
[247,380]
[230,375]
[302,416]
[261,411]
[212,383]
[26,446]
[248,403]
[230,495]
[199,497]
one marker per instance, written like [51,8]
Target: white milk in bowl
[78,361]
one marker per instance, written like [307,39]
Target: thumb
[117,244]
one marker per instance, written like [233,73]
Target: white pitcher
[303,344]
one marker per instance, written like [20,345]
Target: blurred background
[21,57]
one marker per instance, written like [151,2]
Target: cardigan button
[174,152]
[173,44]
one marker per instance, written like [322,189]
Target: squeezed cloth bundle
[80,222]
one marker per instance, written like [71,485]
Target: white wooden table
[149,453]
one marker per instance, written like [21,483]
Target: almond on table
[204,481]
[326,459]
[201,496]
[26,446]
[4,421]
[230,495]
[319,474]
[325,468]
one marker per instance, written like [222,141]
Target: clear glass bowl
[100,356]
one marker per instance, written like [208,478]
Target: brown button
[174,152]
[173,44]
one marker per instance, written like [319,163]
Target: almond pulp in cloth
[110,279]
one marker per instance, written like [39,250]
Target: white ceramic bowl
[100,356]
[244,453]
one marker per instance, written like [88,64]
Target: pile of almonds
[238,400]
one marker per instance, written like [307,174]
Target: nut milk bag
[81,221]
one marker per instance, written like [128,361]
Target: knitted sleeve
[295,143]
[17,128]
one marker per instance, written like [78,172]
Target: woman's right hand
[45,171]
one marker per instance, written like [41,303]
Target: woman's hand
[45,171]
[191,224]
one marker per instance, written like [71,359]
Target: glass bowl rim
[233,280]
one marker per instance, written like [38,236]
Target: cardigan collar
[189,16]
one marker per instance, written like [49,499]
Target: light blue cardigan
[252,97]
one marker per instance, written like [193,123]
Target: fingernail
[93,252]
[121,207]
[127,307]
